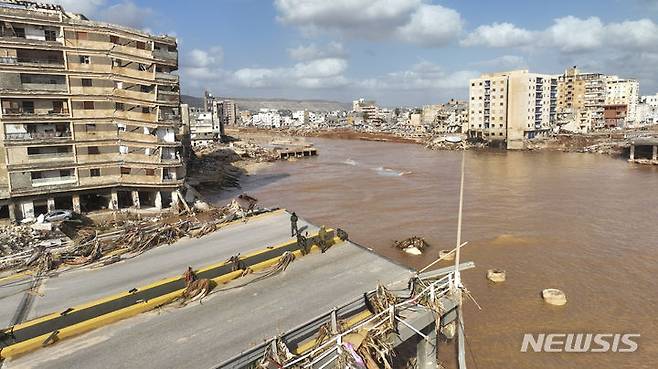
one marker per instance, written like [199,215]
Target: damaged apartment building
[90,114]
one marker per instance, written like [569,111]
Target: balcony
[164,54]
[139,158]
[50,157]
[169,117]
[53,181]
[97,158]
[139,137]
[32,62]
[135,73]
[19,112]
[168,97]
[135,115]
[168,77]
[37,136]
[134,94]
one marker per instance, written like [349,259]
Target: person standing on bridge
[293,224]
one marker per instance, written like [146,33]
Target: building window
[85,59]
[86,82]
[50,35]
[114,40]
[28,107]
[142,67]
[90,127]
[20,32]
[125,170]
[150,172]
[145,89]
[92,150]
[88,105]
[146,110]
[95,172]
[140,45]
[58,107]
[119,106]
[81,35]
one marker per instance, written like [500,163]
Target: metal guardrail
[307,330]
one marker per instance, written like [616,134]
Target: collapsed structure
[90,114]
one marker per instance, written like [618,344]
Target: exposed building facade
[581,100]
[509,107]
[625,92]
[90,114]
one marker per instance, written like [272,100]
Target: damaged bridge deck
[228,322]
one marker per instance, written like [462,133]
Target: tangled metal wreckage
[381,329]
[128,238]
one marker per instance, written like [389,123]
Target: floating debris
[413,245]
[496,275]
[554,296]
[448,255]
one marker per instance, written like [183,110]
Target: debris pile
[217,165]
[413,245]
[130,235]
[455,142]
[19,243]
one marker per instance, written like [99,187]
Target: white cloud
[504,62]
[202,59]
[86,7]
[421,76]
[412,21]
[432,25]
[368,17]
[498,35]
[313,52]
[128,14]
[640,34]
[125,13]
[204,67]
[570,35]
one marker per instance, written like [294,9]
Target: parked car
[58,215]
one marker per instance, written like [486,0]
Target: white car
[58,215]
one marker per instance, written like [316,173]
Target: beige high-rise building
[509,107]
[581,100]
[230,110]
[90,114]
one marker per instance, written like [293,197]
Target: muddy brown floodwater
[583,223]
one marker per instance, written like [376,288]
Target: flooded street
[583,223]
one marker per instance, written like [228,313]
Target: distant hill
[254,104]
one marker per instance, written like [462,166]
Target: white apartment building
[512,106]
[647,110]
[620,91]
[267,118]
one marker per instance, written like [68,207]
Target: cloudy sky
[399,52]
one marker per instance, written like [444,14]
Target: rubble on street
[124,235]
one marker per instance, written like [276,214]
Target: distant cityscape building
[512,106]
[589,101]
[624,92]
[581,100]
